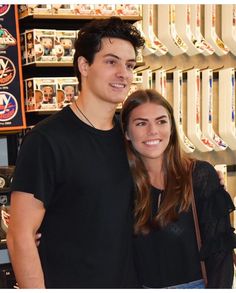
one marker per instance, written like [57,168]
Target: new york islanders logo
[4,9]
[8,106]
[7,71]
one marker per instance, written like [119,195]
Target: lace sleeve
[214,205]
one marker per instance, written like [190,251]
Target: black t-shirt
[169,256]
[82,176]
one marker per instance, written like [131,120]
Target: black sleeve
[35,168]
[218,239]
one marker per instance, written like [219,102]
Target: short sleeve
[35,168]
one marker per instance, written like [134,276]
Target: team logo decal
[4,9]
[7,71]
[8,106]
[6,39]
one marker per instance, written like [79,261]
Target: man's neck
[98,113]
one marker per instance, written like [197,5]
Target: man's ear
[83,65]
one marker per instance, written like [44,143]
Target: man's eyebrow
[117,57]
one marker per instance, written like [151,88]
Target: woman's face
[149,130]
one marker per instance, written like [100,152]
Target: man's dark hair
[90,36]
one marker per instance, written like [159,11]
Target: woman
[165,241]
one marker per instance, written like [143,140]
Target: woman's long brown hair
[176,168]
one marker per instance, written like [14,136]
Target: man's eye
[140,124]
[110,61]
[130,66]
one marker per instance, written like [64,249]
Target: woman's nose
[152,129]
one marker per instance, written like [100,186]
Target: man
[72,181]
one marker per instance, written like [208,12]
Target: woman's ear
[83,65]
[127,135]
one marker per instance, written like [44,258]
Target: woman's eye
[162,121]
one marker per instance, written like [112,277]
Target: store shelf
[78,17]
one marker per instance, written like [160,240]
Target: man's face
[110,75]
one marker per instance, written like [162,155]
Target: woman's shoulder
[205,177]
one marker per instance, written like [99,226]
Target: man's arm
[26,215]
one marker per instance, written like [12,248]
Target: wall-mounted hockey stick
[210,31]
[207,111]
[195,23]
[228,26]
[194,132]
[167,30]
[151,38]
[186,144]
[227,106]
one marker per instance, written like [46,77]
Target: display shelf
[65,22]
[77,16]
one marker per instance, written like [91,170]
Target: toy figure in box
[67,91]
[29,48]
[84,9]
[59,50]
[69,94]
[67,45]
[104,9]
[66,96]
[127,9]
[64,45]
[23,48]
[48,94]
[62,9]
[47,44]
[39,50]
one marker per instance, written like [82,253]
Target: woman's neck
[155,172]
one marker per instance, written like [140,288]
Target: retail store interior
[189,57]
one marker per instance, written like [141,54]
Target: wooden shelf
[77,17]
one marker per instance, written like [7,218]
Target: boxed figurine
[30,9]
[104,9]
[64,45]
[84,9]
[40,94]
[40,46]
[23,48]
[128,9]
[62,9]
[67,91]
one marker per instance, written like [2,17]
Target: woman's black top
[169,256]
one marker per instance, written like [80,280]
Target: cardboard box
[63,9]
[67,91]
[64,45]
[40,46]
[40,94]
